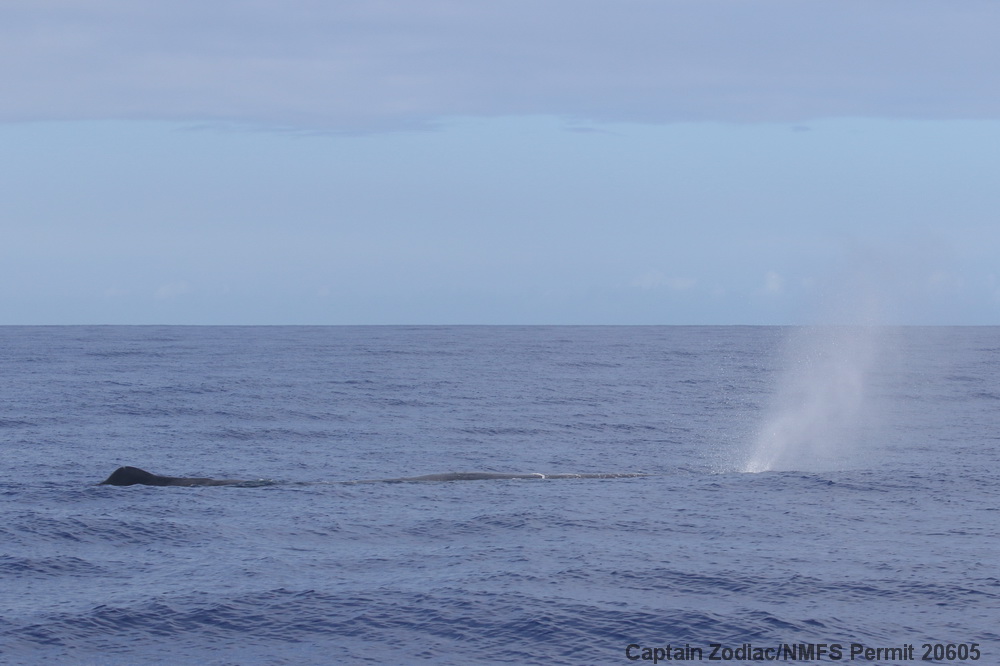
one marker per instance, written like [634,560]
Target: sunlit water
[877,522]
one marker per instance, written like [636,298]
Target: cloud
[681,283]
[773,283]
[172,290]
[654,279]
[942,282]
[373,65]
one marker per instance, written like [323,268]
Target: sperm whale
[131,476]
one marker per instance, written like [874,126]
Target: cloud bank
[372,65]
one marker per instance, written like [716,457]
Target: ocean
[816,495]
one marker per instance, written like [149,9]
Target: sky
[510,162]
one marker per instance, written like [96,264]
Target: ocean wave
[449,626]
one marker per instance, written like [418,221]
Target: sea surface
[807,487]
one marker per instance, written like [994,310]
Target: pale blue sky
[442,162]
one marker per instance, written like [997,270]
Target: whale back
[130,476]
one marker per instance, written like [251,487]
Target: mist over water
[822,408]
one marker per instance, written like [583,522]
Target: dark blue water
[874,519]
